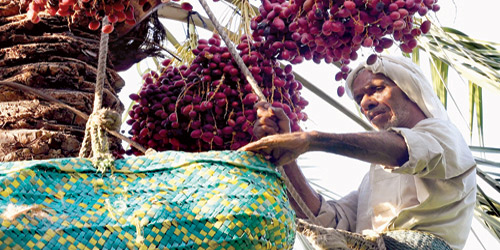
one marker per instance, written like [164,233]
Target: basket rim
[156,161]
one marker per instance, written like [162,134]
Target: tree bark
[59,60]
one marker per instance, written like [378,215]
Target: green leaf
[171,38]
[476,102]
[490,221]
[416,56]
[479,113]
[485,210]
[157,63]
[439,74]
[472,91]
[475,60]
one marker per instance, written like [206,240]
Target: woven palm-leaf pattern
[167,200]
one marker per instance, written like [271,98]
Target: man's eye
[379,88]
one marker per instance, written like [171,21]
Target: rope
[101,67]
[258,92]
[295,195]
[95,134]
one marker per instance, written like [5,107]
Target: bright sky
[477,19]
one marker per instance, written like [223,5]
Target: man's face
[382,101]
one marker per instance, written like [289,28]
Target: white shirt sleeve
[436,150]
[340,214]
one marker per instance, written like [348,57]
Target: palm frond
[173,11]
[476,102]
[475,60]
[439,75]
[485,210]
[415,56]
[484,149]
[317,91]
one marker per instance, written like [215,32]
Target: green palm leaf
[439,74]
[475,60]
[475,101]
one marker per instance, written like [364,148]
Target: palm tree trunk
[57,59]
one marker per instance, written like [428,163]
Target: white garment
[434,191]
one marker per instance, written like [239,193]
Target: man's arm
[382,147]
[307,193]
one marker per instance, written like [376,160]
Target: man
[422,174]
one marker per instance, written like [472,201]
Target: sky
[478,19]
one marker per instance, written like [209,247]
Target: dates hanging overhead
[334,30]
[117,11]
[208,105]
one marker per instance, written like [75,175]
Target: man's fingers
[267,121]
[267,142]
[267,130]
[261,104]
[262,130]
[280,113]
[252,146]
[283,120]
[262,109]
[270,130]
[263,112]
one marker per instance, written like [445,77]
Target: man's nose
[368,103]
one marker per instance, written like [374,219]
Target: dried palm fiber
[167,200]
[142,41]
[330,238]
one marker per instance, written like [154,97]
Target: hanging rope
[255,87]
[95,134]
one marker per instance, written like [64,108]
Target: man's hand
[270,120]
[283,148]
[273,129]
[276,143]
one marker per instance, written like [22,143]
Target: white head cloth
[409,78]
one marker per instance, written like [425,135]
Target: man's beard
[396,119]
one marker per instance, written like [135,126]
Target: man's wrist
[312,138]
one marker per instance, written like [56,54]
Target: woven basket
[168,200]
[330,238]
[413,240]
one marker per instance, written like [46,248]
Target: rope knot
[106,118]
[98,121]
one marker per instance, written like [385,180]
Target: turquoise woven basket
[167,200]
